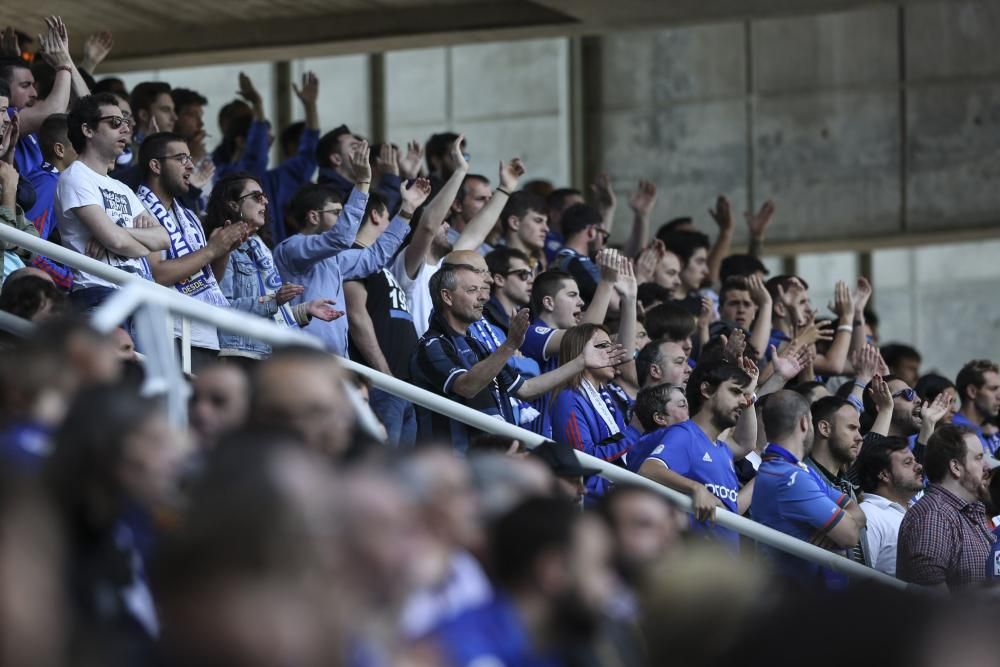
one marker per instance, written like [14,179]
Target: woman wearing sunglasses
[251,281]
[584,414]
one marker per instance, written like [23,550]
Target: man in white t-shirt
[192,264]
[98,215]
[432,222]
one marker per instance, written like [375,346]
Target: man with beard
[554,574]
[193,265]
[978,385]
[836,443]
[583,227]
[791,498]
[890,476]
[944,540]
[693,460]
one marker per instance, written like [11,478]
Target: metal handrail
[269,332]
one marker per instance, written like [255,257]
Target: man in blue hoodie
[320,255]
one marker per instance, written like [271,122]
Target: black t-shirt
[392,322]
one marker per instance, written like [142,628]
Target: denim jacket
[241,287]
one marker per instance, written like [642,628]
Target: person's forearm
[772,384]
[169,272]
[361,327]
[546,382]
[30,118]
[882,422]
[598,308]
[858,338]
[9,197]
[608,217]
[760,334]
[719,252]
[744,433]
[745,496]
[482,223]
[477,378]
[78,85]
[756,247]
[640,234]
[658,472]
[153,238]
[219,265]
[855,512]
[832,363]
[436,210]
[626,337]
[312,116]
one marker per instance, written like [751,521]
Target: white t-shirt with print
[81,186]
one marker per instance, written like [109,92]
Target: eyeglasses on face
[908,394]
[523,274]
[335,211]
[183,158]
[257,196]
[117,121]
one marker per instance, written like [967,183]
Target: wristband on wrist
[405,215]
[858,383]
[845,327]
[64,68]
[499,189]
[362,182]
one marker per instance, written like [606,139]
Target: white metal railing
[147,293]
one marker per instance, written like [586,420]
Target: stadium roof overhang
[154,33]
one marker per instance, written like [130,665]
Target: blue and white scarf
[268,279]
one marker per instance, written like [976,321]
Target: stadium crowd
[275,529]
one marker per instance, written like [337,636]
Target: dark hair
[871,317]
[54,130]
[825,408]
[866,396]
[650,292]
[669,320]
[327,143]
[144,94]
[310,197]
[45,78]
[25,295]
[577,218]
[445,278]
[673,225]
[973,374]
[653,400]
[86,111]
[740,265]
[785,282]
[528,531]
[684,244]
[518,205]
[225,192]
[498,259]
[732,284]
[895,353]
[945,445]
[110,84]
[806,388]
[547,283]
[557,198]
[930,385]
[376,202]
[185,97]
[782,413]
[713,374]
[648,355]
[153,147]
[4,89]
[7,66]
[438,146]
[874,458]
[291,135]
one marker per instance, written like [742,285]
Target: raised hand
[202,174]
[735,344]
[287,292]
[602,357]
[758,223]
[862,294]
[814,333]
[866,363]
[415,195]
[518,328]
[96,48]
[750,368]
[880,393]
[8,140]
[843,302]
[409,166]
[607,262]
[706,313]
[360,165]
[510,173]
[55,43]
[883,368]
[227,238]
[626,284]
[247,91]
[309,92]
[643,199]
[933,412]
[722,214]
[791,361]
[385,163]
[10,46]
[322,309]
[8,178]
[758,291]
[645,265]
[604,195]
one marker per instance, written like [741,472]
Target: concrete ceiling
[155,33]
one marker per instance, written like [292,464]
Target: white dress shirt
[884,518]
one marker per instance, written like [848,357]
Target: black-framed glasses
[523,274]
[117,121]
[908,394]
[603,232]
[183,158]
[336,211]
[257,196]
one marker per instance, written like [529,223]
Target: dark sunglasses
[117,121]
[908,394]
[523,274]
[257,196]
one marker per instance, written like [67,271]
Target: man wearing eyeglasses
[512,281]
[582,225]
[193,264]
[98,215]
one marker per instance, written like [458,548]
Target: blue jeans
[397,415]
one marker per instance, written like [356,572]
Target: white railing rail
[116,310]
